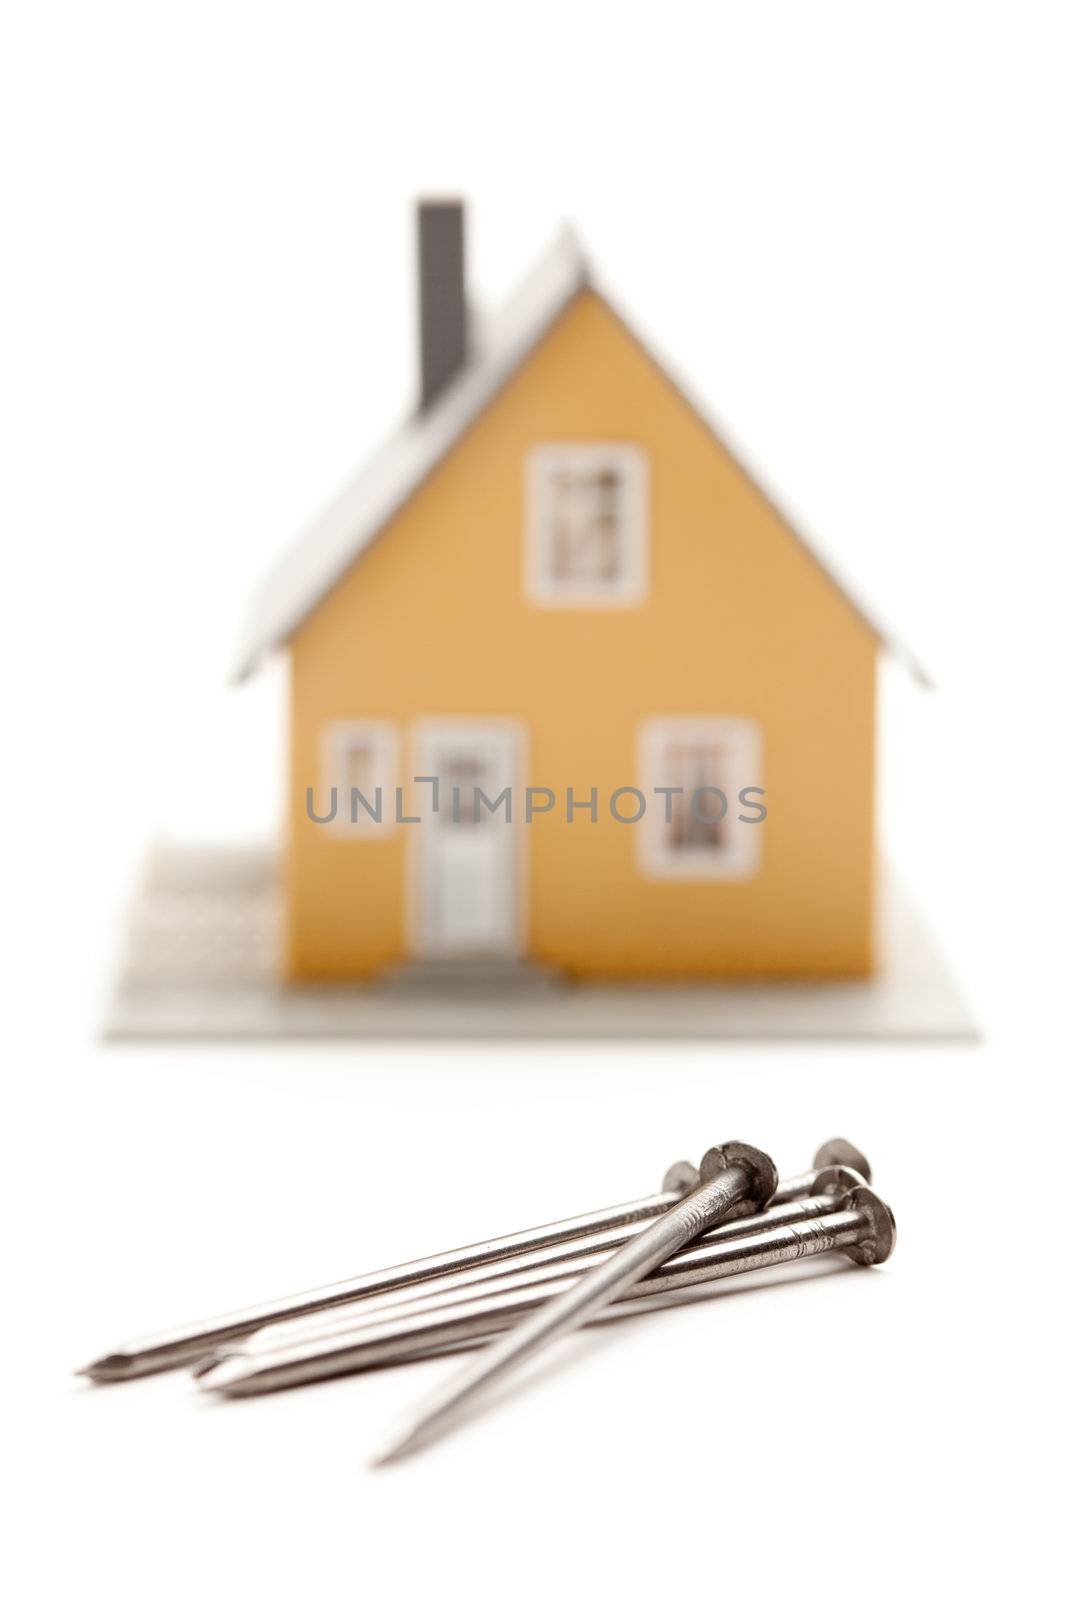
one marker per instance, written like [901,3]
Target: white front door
[467,851]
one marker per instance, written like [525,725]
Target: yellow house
[566,688]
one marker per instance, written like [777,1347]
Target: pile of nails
[507,1298]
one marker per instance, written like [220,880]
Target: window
[462,773]
[359,761]
[586,521]
[694,826]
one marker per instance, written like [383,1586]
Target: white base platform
[202,956]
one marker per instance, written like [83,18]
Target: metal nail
[180,1346]
[862,1225]
[834,1153]
[572,1255]
[729,1174]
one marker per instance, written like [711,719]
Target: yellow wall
[738,620]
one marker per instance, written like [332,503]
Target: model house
[566,688]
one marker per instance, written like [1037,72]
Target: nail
[867,1234]
[176,1347]
[572,1255]
[861,1224]
[834,1153]
[729,1174]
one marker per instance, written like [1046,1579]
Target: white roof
[307,573]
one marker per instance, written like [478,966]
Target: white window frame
[542,463]
[741,855]
[335,739]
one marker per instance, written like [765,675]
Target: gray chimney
[441,295]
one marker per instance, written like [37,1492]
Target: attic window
[585,525]
[698,774]
[358,761]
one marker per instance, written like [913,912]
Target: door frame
[423,732]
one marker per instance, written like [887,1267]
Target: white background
[843,224]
